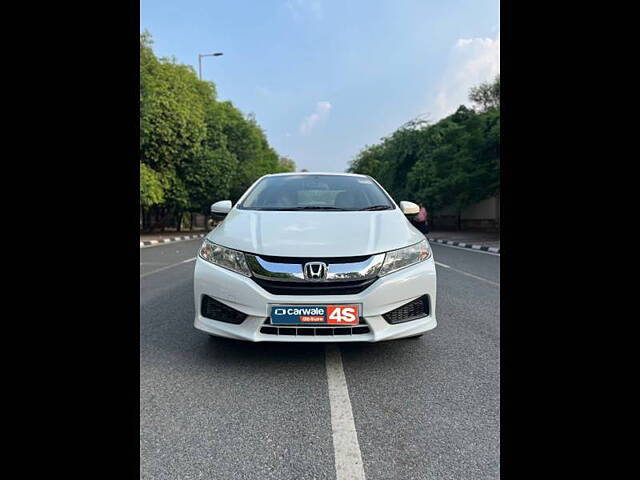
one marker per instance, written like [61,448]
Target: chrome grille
[355,268]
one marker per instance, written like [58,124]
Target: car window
[316,192]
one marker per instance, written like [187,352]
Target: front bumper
[246,296]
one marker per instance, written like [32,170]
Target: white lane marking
[462,272]
[348,458]
[164,244]
[473,250]
[167,267]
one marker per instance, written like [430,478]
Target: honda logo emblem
[315,271]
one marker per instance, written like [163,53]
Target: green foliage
[486,95]
[151,190]
[176,194]
[172,124]
[285,164]
[454,162]
[194,150]
[209,175]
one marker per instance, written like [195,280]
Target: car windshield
[316,192]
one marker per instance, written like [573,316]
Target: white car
[315,257]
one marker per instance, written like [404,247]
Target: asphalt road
[426,408]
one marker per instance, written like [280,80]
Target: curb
[148,243]
[466,245]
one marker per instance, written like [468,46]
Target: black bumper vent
[314,288]
[318,331]
[215,310]
[418,308]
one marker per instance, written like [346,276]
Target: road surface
[425,408]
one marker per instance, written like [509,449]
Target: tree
[248,143]
[193,148]
[172,123]
[368,161]
[151,191]
[458,167]
[486,95]
[452,163]
[208,179]
[285,164]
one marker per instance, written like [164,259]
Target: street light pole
[200,55]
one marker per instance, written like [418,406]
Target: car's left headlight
[224,257]
[405,257]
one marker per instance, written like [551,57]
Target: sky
[325,78]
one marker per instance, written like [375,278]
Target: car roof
[342,174]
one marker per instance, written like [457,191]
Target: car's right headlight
[405,257]
[224,257]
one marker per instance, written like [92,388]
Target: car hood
[315,234]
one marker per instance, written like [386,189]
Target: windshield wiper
[377,207]
[312,207]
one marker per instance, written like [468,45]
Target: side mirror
[409,208]
[221,208]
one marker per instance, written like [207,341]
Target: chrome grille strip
[292,272]
[274,271]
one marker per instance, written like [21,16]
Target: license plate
[315,314]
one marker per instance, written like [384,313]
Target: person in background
[420,220]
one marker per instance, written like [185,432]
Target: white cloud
[322,112]
[471,62]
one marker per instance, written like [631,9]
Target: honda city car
[315,257]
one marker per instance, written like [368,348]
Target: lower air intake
[216,310]
[413,310]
